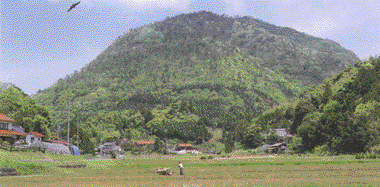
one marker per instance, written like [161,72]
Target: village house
[184,146]
[125,143]
[149,144]
[281,133]
[9,132]
[33,137]
[278,146]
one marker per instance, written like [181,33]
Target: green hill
[4,86]
[342,113]
[191,71]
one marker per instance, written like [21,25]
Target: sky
[41,42]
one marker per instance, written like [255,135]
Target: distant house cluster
[279,146]
[281,133]
[15,134]
[12,133]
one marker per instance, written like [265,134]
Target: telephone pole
[68,123]
[77,134]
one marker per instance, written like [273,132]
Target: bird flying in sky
[73,6]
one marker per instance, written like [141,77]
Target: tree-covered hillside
[4,86]
[341,114]
[227,70]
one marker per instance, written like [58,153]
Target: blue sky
[41,42]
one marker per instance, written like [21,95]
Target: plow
[164,171]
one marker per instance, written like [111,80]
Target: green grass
[223,172]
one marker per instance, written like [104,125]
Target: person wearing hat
[180,168]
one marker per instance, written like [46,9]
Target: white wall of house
[31,138]
[5,125]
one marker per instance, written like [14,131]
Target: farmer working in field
[181,168]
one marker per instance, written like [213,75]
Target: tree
[147,114]
[272,138]
[303,107]
[252,137]
[326,94]
[157,144]
[310,131]
[41,126]
[86,144]
[230,143]
[295,144]
[289,113]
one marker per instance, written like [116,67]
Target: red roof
[10,133]
[6,118]
[58,142]
[36,134]
[185,145]
[145,142]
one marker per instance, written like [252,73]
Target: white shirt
[180,165]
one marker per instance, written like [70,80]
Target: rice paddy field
[38,169]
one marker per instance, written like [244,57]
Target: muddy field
[344,174]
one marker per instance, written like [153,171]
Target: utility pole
[68,123]
[56,124]
[77,135]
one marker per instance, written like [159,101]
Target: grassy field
[279,170]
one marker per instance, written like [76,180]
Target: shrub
[375,149]
[202,157]
[255,151]
[360,156]
[371,155]
[321,150]
[267,151]
[210,157]
[113,155]
[222,155]
[135,151]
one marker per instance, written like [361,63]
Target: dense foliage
[19,106]
[33,117]
[341,115]
[222,71]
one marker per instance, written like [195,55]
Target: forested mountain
[191,71]
[342,114]
[4,86]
